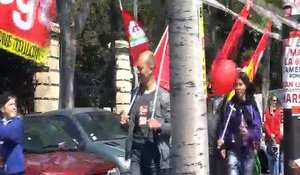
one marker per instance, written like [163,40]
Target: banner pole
[160,71]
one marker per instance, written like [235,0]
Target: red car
[67,163]
[50,151]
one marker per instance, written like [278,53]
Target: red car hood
[66,163]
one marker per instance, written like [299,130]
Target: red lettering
[294,98]
[287,98]
[288,84]
[294,52]
[289,61]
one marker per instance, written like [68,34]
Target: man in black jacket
[148,142]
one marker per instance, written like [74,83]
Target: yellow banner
[202,57]
[23,48]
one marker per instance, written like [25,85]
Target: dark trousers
[145,160]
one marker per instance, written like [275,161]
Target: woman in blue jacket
[241,128]
[11,133]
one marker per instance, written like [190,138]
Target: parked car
[49,150]
[97,131]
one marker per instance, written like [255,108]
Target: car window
[42,135]
[101,125]
[67,126]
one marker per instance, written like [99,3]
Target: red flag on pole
[138,42]
[162,61]
[251,65]
[231,42]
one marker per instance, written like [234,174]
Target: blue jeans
[281,162]
[273,161]
[240,163]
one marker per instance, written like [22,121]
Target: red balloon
[223,76]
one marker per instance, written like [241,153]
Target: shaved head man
[148,138]
[145,66]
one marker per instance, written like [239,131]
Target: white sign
[292,6]
[291,64]
[290,95]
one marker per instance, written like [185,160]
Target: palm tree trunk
[188,102]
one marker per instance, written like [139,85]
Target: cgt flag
[25,27]
[138,42]
[252,63]
[162,61]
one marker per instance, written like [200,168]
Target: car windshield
[44,135]
[101,125]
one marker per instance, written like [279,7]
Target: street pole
[291,85]
[189,154]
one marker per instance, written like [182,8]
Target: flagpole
[121,7]
[133,99]
[161,41]
[160,71]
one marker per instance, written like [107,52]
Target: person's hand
[243,131]
[272,136]
[153,124]
[220,143]
[223,153]
[293,164]
[124,118]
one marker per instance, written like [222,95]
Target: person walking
[241,128]
[148,142]
[273,134]
[11,134]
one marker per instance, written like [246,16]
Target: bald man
[148,142]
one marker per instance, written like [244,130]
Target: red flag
[251,65]
[138,42]
[25,28]
[231,42]
[162,61]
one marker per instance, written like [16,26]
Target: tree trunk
[188,102]
[68,55]
[266,78]
[134,69]
[70,29]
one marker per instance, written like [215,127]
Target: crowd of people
[240,134]
[149,129]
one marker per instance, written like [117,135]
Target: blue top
[11,133]
[245,113]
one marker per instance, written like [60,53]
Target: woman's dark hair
[250,99]
[250,90]
[5,97]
